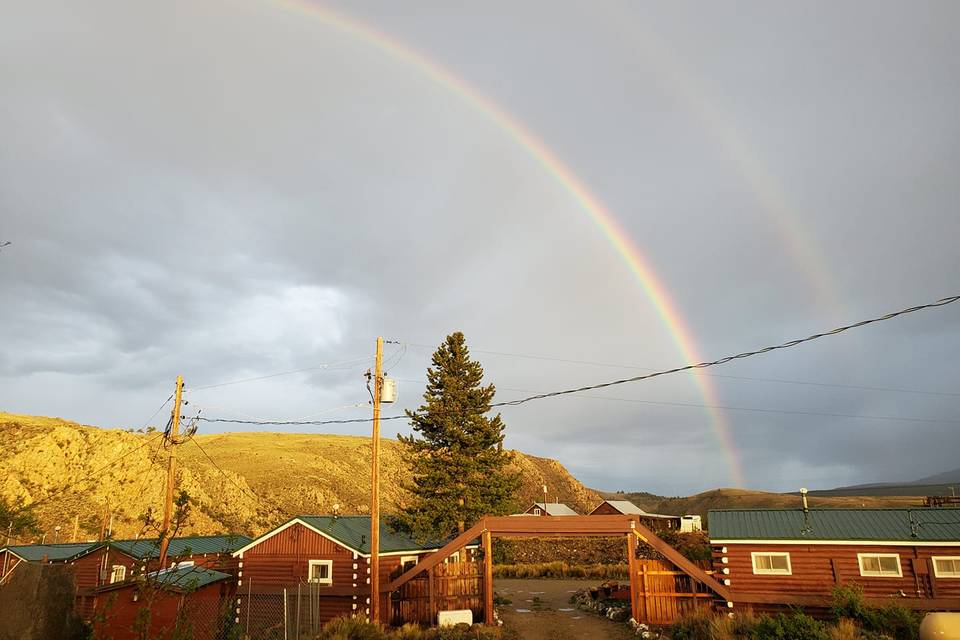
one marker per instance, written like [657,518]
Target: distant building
[782,555]
[549,509]
[655,521]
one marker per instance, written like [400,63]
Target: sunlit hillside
[75,471]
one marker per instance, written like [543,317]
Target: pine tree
[460,468]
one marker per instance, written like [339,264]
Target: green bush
[894,621]
[562,570]
[796,626]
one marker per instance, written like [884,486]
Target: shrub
[695,624]
[893,620]
[797,626]
[358,629]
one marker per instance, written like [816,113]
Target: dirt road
[541,610]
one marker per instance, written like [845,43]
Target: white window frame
[320,563]
[537,511]
[453,557]
[114,570]
[405,559]
[949,574]
[183,563]
[879,574]
[771,572]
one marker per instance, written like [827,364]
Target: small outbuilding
[183,601]
[798,556]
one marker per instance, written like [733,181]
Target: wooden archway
[560,527]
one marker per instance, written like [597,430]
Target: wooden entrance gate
[570,527]
[663,593]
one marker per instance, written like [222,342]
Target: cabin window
[537,512]
[118,573]
[320,571]
[408,562]
[774,564]
[453,557]
[879,564]
[946,566]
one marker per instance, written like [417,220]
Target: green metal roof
[53,552]
[894,525]
[354,532]
[188,578]
[183,546]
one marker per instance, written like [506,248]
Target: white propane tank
[940,626]
[388,392]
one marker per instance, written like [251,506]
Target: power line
[224,473]
[701,365]
[320,367]
[740,356]
[93,475]
[612,365]
[733,408]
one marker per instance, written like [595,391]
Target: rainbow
[629,253]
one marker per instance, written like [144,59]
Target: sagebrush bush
[359,629]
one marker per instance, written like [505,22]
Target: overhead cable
[702,365]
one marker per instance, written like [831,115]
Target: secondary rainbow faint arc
[588,202]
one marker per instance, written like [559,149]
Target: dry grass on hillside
[267,477]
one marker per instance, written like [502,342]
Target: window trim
[771,572]
[537,511]
[405,559]
[320,563]
[948,575]
[879,574]
[113,573]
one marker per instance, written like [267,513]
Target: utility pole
[375,489]
[171,474]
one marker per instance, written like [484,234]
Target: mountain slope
[701,503]
[265,477]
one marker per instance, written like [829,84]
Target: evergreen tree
[458,462]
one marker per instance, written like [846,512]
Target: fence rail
[663,592]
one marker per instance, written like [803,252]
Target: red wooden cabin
[797,557]
[173,601]
[118,560]
[549,509]
[321,559]
[654,521]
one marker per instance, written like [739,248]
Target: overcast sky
[233,188]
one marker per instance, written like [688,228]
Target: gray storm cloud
[233,189]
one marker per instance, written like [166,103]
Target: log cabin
[798,556]
[115,561]
[655,521]
[323,559]
[181,599]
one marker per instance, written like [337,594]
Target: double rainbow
[592,205]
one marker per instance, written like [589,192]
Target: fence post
[632,567]
[487,577]
[285,613]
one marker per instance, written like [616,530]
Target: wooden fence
[663,592]
[452,585]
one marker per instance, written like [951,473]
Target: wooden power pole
[375,489]
[171,474]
